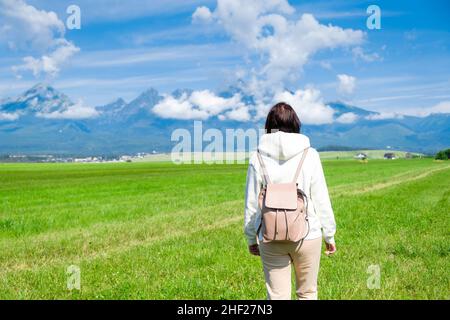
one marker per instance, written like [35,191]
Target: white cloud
[262,108]
[384,115]
[281,43]
[202,105]
[346,84]
[202,15]
[37,32]
[48,64]
[358,53]
[441,107]
[239,114]
[181,108]
[26,27]
[6,116]
[208,101]
[75,111]
[308,104]
[348,117]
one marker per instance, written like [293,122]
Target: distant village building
[125,158]
[408,155]
[361,156]
[88,159]
[389,155]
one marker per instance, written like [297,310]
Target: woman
[281,148]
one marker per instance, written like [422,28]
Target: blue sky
[125,47]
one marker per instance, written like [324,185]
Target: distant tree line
[443,155]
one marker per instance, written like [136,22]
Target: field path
[42,250]
[409,176]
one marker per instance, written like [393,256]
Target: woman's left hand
[254,249]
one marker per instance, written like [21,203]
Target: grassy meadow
[162,231]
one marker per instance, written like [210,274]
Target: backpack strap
[263,167]
[299,168]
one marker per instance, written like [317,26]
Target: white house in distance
[361,156]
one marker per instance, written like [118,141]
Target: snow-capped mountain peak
[41,98]
[113,107]
[143,103]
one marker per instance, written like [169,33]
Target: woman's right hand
[330,248]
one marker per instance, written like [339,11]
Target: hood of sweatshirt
[282,145]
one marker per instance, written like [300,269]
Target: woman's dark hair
[282,117]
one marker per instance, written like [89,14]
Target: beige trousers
[277,259]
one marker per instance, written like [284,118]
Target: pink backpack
[284,208]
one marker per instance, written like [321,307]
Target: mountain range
[27,126]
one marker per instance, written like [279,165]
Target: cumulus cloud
[178,108]
[202,105]
[76,111]
[213,104]
[37,32]
[239,114]
[277,44]
[441,107]
[358,53]
[348,117]
[25,27]
[7,116]
[346,84]
[282,43]
[202,15]
[48,64]
[308,104]
[261,28]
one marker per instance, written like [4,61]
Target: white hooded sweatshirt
[281,153]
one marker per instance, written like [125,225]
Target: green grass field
[162,231]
